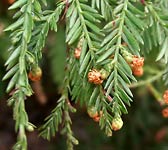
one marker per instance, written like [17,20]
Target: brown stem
[39,92]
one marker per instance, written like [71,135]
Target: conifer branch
[27,45]
[71,140]
[16,64]
[83,23]
[60,116]
[84,18]
[165,76]
[101,63]
[105,6]
[158,30]
[118,70]
[147,81]
[47,20]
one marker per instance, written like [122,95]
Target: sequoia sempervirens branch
[108,44]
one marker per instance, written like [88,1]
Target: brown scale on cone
[97,118]
[35,74]
[137,61]
[137,65]
[137,71]
[165,112]
[165,97]
[94,114]
[94,76]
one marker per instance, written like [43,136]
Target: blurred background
[144,126]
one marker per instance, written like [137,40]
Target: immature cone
[137,61]
[127,56]
[117,123]
[96,119]
[104,74]
[35,74]
[94,76]
[92,112]
[137,71]
[165,112]
[165,97]
[78,50]
[136,65]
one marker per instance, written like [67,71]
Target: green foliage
[105,7]
[16,66]
[28,38]
[108,33]
[60,116]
